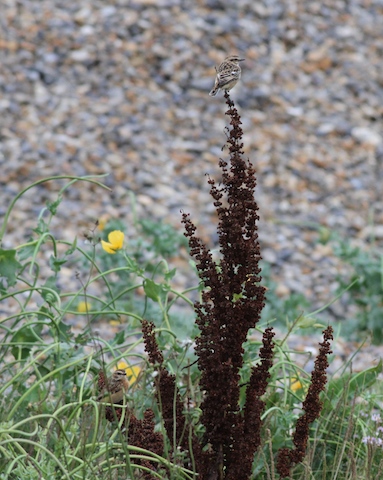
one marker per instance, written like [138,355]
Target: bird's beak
[241,60]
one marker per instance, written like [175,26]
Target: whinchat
[114,390]
[228,74]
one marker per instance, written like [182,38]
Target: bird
[115,388]
[228,74]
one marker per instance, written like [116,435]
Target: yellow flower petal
[122,365]
[116,242]
[116,238]
[83,307]
[296,385]
[115,323]
[102,222]
[108,247]
[131,372]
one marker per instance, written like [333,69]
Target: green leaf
[119,338]
[44,313]
[26,252]
[48,296]
[24,340]
[82,338]
[309,322]
[52,206]
[42,227]
[55,263]
[152,289]
[43,370]
[236,297]
[169,275]
[163,238]
[65,332]
[72,247]
[9,266]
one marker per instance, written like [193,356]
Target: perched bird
[115,388]
[228,74]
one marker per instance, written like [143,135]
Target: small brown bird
[115,389]
[228,74]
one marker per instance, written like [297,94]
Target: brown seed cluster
[312,407]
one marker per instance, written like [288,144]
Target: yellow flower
[116,241]
[83,307]
[296,385]
[102,222]
[131,372]
[115,323]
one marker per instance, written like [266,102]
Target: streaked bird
[115,389]
[228,74]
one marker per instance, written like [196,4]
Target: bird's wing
[228,73]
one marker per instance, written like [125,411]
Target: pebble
[367,136]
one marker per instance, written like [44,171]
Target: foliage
[366,292]
[50,423]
